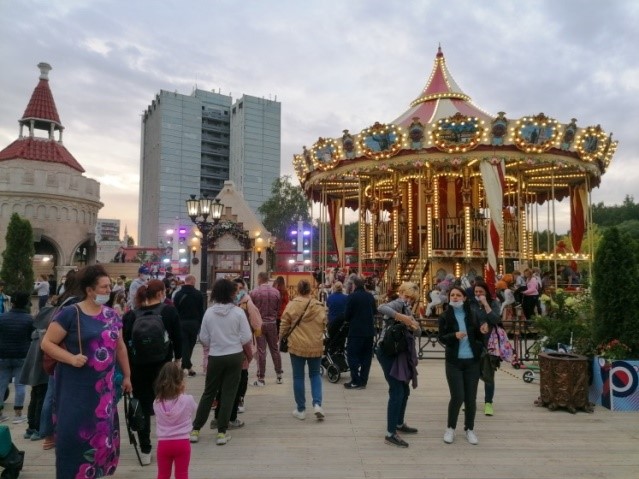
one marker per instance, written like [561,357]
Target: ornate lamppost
[204,207]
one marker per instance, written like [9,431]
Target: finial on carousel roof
[440,54]
[45,68]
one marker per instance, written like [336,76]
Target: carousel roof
[441,97]
[444,132]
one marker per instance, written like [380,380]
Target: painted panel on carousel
[568,137]
[535,134]
[381,141]
[591,143]
[325,153]
[416,133]
[499,129]
[458,133]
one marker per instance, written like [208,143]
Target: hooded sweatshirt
[173,417]
[225,329]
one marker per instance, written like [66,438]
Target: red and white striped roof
[440,98]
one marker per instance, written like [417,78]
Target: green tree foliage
[17,258]
[351,235]
[545,241]
[285,207]
[617,214]
[614,290]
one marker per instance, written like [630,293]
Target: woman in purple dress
[86,417]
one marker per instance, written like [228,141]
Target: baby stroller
[11,459]
[334,359]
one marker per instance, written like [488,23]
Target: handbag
[284,340]
[394,341]
[48,362]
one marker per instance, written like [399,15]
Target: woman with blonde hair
[400,369]
[303,324]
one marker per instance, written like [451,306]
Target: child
[173,412]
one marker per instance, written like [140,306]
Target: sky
[333,64]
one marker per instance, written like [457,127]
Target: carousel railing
[448,233]
[392,268]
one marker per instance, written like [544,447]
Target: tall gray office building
[192,143]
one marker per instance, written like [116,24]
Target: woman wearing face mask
[87,425]
[486,310]
[461,332]
[150,301]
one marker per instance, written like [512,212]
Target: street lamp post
[203,208]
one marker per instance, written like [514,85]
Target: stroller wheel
[321,370]
[332,373]
[529,376]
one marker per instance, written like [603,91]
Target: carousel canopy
[445,132]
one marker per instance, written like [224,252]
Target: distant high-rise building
[192,143]
[255,147]
[107,230]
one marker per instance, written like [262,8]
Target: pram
[334,359]
[11,459]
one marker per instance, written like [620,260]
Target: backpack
[149,341]
[499,345]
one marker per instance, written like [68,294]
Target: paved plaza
[520,441]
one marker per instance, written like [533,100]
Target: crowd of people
[109,337]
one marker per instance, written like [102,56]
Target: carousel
[447,188]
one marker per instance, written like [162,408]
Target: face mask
[101,298]
[145,277]
[239,296]
[477,299]
[457,304]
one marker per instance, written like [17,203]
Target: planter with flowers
[615,324]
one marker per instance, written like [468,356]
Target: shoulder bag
[48,363]
[284,340]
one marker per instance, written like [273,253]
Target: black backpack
[149,341]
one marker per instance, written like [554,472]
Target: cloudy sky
[333,64]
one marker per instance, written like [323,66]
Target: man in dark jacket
[16,327]
[360,314]
[190,305]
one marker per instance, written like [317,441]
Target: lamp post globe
[199,210]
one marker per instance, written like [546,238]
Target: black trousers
[529,303]
[190,330]
[35,405]
[463,377]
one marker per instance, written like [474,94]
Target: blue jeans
[46,417]
[11,368]
[359,351]
[299,390]
[398,392]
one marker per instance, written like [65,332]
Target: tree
[17,258]
[285,207]
[614,291]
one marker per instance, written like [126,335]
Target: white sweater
[224,329]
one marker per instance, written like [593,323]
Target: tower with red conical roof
[42,182]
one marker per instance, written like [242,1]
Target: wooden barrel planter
[564,382]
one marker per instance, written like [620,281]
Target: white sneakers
[319,413]
[449,435]
[301,415]
[145,459]
[470,435]
[222,439]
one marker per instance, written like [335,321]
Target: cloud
[334,65]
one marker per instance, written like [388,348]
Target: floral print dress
[86,416]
